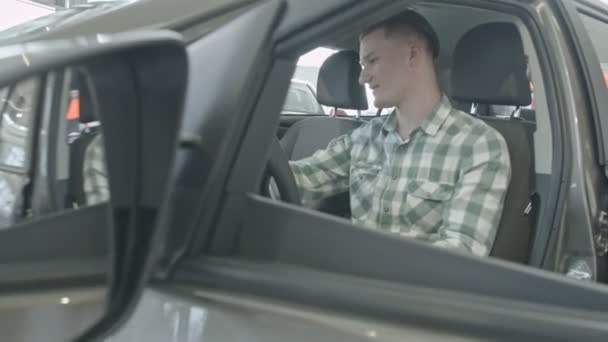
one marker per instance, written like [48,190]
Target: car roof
[132,15]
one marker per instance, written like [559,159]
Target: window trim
[590,65]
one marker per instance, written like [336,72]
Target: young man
[427,171]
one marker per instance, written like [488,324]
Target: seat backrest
[528,114]
[516,226]
[337,86]
[489,68]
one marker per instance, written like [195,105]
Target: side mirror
[88,131]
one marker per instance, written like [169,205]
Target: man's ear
[413,53]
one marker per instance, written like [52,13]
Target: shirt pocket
[424,204]
[363,181]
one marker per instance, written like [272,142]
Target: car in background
[301,99]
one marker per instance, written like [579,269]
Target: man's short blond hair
[408,23]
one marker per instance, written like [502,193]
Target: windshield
[36,18]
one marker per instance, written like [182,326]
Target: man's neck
[415,109]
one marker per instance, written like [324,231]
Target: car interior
[484,61]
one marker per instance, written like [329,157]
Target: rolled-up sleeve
[326,172]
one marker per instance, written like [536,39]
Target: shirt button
[386,210]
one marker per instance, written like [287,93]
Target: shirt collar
[433,122]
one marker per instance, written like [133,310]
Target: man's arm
[472,216]
[326,172]
[95,177]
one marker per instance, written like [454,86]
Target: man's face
[387,67]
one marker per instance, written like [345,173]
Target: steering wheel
[278,181]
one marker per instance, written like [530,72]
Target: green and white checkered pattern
[96,187]
[445,185]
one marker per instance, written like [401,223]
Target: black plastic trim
[276,232]
[81,233]
[215,120]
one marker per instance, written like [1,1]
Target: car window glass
[408,199]
[307,70]
[598,32]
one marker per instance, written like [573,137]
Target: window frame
[590,65]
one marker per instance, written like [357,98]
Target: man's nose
[363,76]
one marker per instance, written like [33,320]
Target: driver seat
[338,87]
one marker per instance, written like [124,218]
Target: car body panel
[202,315]
[51,315]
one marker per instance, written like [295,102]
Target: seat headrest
[338,82]
[489,66]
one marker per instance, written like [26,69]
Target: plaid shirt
[96,187]
[446,184]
